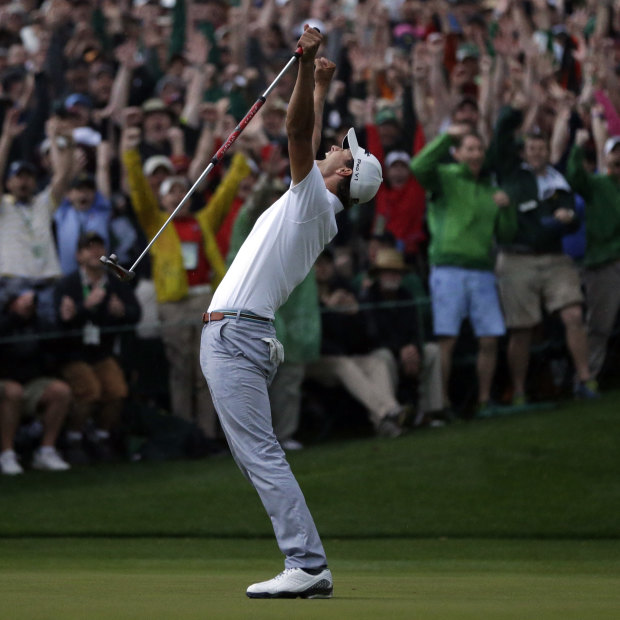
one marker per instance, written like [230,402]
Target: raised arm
[421,92]
[300,113]
[197,54]
[61,158]
[10,128]
[425,165]
[323,73]
[576,174]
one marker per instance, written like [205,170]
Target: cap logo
[358,163]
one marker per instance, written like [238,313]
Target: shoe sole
[307,594]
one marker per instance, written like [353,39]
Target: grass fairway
[45,579]
[512,517]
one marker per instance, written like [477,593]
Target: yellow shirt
[169,273]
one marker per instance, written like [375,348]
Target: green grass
[545,474]
[43,579]
[511,517]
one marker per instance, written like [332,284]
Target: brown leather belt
[207,317]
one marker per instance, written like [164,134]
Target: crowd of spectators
[498,223]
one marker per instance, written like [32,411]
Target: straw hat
[389,259]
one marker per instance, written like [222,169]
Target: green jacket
[298,320]
[602,196]
[462,216]
[536,230]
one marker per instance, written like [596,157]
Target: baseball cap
[86,136]
[467,50]
[17,167]
[84,180]
[155,104]
[77,99]
[275,105]
[393,156]
[92,236]
[317,24]
[366,177]
[611,144]
[386,115]
[170,182]
[157,161]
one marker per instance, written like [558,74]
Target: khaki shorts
[101,381]
[33,392]
[526,282]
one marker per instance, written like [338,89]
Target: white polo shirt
[27,245]
[281,249]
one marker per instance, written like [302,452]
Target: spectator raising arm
[425,164]
[128,58]
[421,93]
[197,53]
[211,216]
[10,129]
[576,174]
[61,158]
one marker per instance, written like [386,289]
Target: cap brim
[350,141]
[611,144]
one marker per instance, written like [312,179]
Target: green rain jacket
[463,219]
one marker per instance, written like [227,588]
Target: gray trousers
[237,366]
[285,398]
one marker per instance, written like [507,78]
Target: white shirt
[281,249]
[27,245]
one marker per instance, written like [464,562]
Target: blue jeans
[237,366]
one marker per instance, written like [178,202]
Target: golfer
[239,352]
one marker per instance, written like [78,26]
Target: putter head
[111,264]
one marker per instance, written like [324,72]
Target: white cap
[611,144]
[170,182]
[367,176]
[393,156]
[86,136]
[157,161]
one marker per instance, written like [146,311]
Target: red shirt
[401,209]
[192,244]
[402,213]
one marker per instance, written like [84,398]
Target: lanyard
[27,217]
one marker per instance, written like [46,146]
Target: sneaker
[291,444]
[586,390]
[9,465]
[389,428]
[293,583]
[47,459]
[403,416]
[486,409]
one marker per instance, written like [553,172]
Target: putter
[111,262]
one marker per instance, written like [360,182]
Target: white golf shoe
[293,583]
[9,465]
[48,459]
